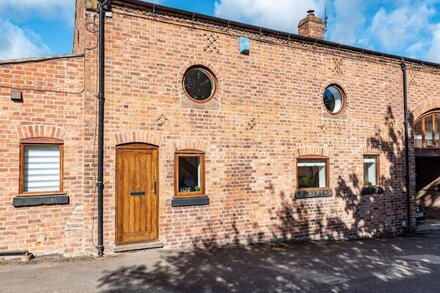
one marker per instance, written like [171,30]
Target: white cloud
[19,10]
[18,43]
[344,23]
[281,15]
[434,52]
[398,27]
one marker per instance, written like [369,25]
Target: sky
[410,28]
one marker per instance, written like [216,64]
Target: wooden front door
[136,193]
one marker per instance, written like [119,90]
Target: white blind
[311,164]
[370,160]
[41,168]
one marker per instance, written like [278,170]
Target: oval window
[334,99]
[199,83]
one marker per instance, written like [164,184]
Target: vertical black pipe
[101,99]
[405,109]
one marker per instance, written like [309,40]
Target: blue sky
[404,27]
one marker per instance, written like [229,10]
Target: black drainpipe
[405,109]
[14,252]
[100,181]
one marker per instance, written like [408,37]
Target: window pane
[333,99]
[418,134]
[198,83]
[41,168]
[370,167]
[437,129]
[311,174]
[428,130]
[189,174]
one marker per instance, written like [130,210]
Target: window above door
[427,131]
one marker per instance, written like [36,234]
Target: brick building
[215,132]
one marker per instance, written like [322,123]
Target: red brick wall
[267,111]
[251,172]
[52,106]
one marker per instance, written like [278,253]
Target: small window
[312,173]
[41,168]
[334,99]
[371,170]
[190,174]
[199,83]
[244,45]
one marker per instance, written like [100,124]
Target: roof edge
[160,9]
[40,59]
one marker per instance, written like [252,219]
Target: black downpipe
[101,99]
[14,252]
[405,109]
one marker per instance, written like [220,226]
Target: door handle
[154,186]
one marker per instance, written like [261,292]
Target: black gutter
[160,9]
[101,98]
[405,109]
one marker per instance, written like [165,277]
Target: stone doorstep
[137,246]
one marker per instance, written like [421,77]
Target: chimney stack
[312,26]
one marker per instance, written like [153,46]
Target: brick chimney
[312,26]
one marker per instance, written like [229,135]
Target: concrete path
[404,264]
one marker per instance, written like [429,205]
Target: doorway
[136,193]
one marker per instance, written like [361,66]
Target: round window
[199,83]
[334,99]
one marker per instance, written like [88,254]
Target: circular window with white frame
[199,83]
[334,99]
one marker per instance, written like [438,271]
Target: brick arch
[313,150]
[426,106]
[191,144]
[138,136]
[35,131]
[371,149]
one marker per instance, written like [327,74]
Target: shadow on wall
[362,215]
[210,268]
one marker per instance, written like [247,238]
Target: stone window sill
[39,200]
[189,201]
[372,190]
[313,193]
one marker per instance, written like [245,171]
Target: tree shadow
[281,264]
[279,267]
